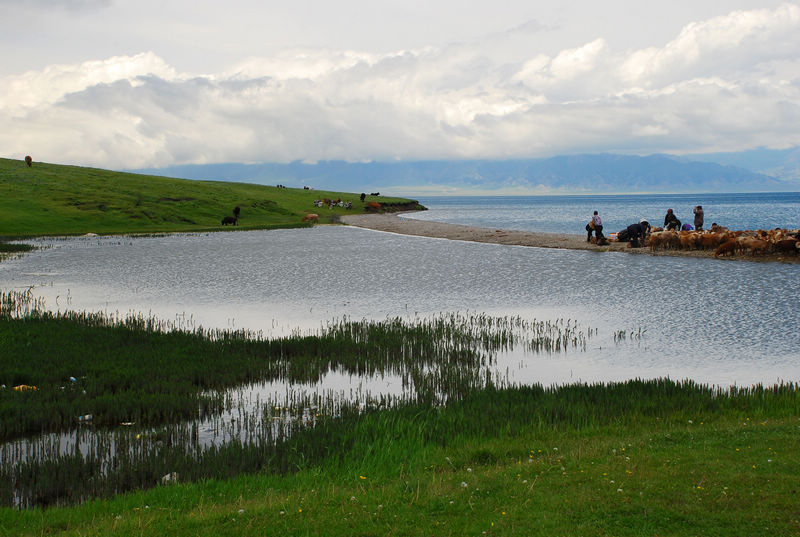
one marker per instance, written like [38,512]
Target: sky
[153,83]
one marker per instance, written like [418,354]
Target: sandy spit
[398,223]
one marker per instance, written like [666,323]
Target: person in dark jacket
[671,221]
[698,218]
[638,233]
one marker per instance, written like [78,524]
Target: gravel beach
[398,223]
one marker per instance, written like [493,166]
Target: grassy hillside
[52,199]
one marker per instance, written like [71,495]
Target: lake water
[715,322]
[569,214]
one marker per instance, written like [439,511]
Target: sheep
[728,247]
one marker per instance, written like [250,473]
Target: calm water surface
[569,214]
[714,322]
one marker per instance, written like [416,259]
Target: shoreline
[396,223]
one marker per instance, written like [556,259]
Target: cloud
[69,5]
[726,83]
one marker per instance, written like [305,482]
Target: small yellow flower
[361,477]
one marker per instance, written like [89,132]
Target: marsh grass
[118,394]
[92,370]
[461,455]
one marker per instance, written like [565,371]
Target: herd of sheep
[726,242]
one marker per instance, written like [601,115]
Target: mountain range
[755,171]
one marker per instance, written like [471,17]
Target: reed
[122,402]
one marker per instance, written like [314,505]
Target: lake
[722,323]
[569,214]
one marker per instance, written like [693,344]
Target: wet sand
[399,223]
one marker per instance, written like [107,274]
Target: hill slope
[52,199]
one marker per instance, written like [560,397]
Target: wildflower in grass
[463,484]
[361,477]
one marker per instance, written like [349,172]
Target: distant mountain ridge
[780,163]
[589,173]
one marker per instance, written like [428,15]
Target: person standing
[598,227]
[698,218]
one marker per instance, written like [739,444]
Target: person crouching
[638,233]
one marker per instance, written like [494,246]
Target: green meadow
[54,199]
[460,454]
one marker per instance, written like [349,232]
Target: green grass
[679,472]
[52,199]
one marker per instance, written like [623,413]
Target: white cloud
[726,83]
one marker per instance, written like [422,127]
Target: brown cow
[29,161]
[310,217]
[372,206]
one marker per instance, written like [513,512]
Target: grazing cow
[229,220]
[310,217]
[362,197]
[29,161]
[374,193]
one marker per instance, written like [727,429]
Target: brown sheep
[687,240]
[727,247]
[758,246]
[787,246]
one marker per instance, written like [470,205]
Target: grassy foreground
[53,199]
[691,472]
